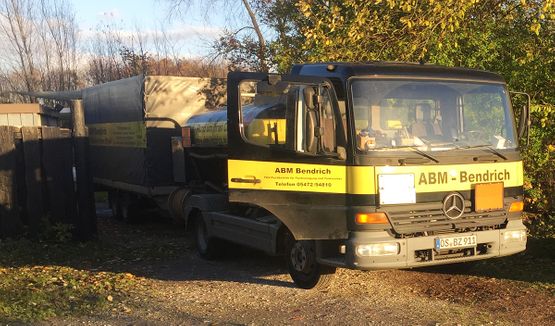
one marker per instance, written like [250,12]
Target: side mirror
[524,121]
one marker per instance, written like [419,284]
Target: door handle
[254,180]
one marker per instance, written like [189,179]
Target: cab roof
[343,71]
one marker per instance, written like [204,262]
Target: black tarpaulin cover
[131,122]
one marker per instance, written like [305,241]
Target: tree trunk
[261,41]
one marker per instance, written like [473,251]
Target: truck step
[248,232]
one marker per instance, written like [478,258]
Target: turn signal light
[517,206]
[371,218]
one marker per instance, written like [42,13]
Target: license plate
[456,242]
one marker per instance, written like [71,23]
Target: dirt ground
[250,288]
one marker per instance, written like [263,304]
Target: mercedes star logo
[453,205]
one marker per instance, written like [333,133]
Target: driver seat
[423,126]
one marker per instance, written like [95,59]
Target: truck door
[287,151]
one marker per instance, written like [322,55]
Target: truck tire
[207,247]
[305,271]
[177,202]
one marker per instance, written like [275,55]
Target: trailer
[337,165]
[131,123]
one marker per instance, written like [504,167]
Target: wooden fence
[36,179]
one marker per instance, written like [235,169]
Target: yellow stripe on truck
[435,178]
[363,179]
[118,134]
[287,176]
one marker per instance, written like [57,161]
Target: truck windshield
[431,115]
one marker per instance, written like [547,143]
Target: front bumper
[411,250]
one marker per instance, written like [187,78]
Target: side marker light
[517,206]
[371,218]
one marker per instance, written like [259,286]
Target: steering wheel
[476,135]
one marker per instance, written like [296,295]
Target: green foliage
[55,232]
[357,30]
[284,19]
[541,225]
[539,163]
[448,32]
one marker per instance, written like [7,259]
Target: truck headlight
[378,249]
[515,236]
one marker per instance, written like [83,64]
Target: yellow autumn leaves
[358,30]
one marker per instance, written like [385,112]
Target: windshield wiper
[486,147]
[416,150]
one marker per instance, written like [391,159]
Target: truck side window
[295,116]
[263,109]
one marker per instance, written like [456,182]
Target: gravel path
[257,290]
[253,289]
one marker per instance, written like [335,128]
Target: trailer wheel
[305,271]
[127,207]
[207,247]
[115,204]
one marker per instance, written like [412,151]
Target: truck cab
[370,166]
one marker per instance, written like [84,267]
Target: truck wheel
[177,203]
[304,269]
[208,248]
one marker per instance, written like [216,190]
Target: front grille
[429,218]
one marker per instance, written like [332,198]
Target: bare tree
[104,62]
[40,45]
[17,27]
[261,41]
[183,6]
[59,34]
[40,42]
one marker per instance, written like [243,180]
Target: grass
[40,280]
[41,292]
[49,278]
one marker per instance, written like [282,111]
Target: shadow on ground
[150,246]
[155,248]
[536,264]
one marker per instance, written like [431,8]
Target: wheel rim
[299,257]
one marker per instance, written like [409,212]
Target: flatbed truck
[337,165]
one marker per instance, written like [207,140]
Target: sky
[192,32]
